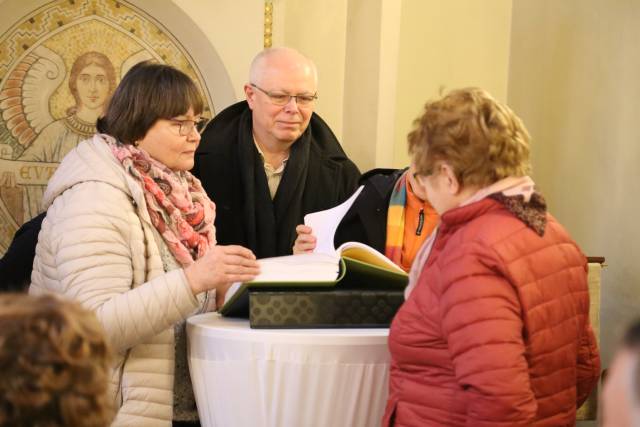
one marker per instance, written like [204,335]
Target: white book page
[325,223]
[299,268]
[294,268]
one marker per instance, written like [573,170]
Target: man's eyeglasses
[187,126]
[282,99]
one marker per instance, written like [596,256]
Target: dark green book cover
[350,274]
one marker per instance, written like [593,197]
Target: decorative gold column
[268,23]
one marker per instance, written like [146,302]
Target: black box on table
[354,308]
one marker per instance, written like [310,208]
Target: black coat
[17,263]
[318,176]
[366,221]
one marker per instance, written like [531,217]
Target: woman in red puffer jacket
[495,330]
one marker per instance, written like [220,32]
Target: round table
[286,377]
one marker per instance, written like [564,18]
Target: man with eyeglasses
[269,160]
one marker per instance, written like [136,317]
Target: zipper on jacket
[420,222]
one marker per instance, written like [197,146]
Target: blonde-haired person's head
[481,139]
[55,364]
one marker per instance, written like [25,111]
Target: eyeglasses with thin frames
[421,177]
[187,126]
[282,99]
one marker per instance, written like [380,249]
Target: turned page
[361,252]
[325,223]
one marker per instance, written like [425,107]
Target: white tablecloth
[286,377]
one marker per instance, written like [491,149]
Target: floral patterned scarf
[178,206]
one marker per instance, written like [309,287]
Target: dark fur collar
[533,213]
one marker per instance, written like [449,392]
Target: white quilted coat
[97,246]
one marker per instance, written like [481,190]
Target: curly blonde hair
[55,364]
[480,138]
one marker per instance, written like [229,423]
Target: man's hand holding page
[305,242]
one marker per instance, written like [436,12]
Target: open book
[352,265]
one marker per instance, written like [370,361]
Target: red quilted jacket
[496,332]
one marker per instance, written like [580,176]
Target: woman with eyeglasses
[495,329]
[129,233]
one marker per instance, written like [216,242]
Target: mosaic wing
[25,93]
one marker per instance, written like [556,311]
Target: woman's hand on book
[305,242]
[221,266]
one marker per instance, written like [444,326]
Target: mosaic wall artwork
[58,66]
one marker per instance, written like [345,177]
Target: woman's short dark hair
[148,92]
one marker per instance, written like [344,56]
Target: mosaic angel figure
[24,103]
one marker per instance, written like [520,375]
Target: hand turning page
[325,223]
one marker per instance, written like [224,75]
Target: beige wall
[448,45]
[318,29]
[575,81]
[370,80]
[234,28]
